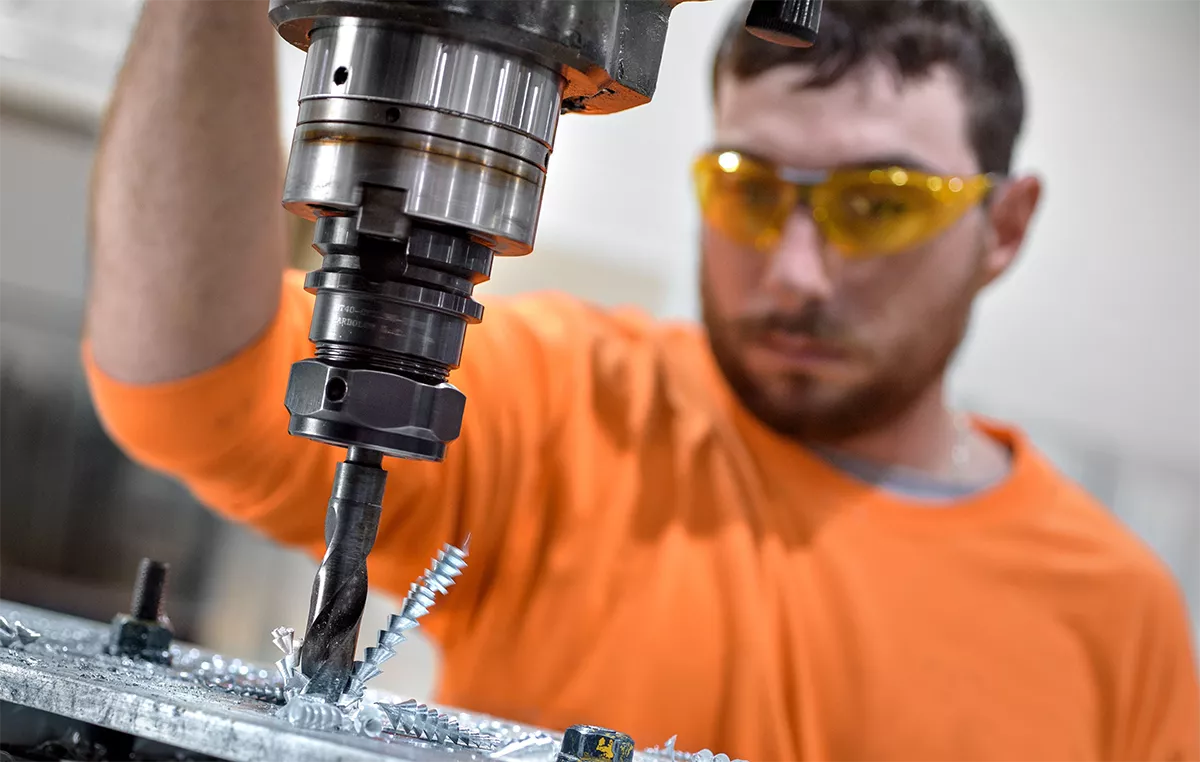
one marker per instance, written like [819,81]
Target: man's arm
[188,235]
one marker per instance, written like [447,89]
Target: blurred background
[1092,344]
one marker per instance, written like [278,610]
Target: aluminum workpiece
[57,692]
[63,695]
[421,148]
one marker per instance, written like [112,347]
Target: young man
[768,535]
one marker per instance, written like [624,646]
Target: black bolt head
[588,743]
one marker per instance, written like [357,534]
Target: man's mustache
[813,322]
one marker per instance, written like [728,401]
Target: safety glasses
[862,212]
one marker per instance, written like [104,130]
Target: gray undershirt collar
[905,484]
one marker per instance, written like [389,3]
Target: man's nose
[799,269]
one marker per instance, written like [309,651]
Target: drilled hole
[335,390]
[340,75]
[392,114]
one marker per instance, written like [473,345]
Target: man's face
[817,345]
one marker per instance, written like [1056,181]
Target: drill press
[420,151]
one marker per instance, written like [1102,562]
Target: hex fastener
[145,633]
[588,743]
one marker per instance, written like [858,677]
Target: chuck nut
[146,632]
[373,408]
[588,743]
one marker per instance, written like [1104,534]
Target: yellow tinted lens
[887,211]
[743,199]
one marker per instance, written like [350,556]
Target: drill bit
[438,578]
[339,591]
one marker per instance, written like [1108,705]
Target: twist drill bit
[438,578]
[340,589]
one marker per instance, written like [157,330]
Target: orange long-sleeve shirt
[648,557]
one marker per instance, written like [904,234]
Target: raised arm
[189,239]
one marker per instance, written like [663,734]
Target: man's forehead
[869,113]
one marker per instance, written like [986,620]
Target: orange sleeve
[1160,714]
[223,433]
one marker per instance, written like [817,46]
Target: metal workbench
[202,706]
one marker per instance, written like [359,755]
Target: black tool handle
[785,22]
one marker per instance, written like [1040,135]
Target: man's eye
[759,193]
[866,206]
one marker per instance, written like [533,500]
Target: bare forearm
[188,236]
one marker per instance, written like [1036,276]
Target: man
[770,536]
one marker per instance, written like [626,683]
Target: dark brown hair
[910,37]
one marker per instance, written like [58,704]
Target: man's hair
[909,37]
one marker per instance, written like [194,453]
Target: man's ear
[1010,213]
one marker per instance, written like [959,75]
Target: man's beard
[809,409]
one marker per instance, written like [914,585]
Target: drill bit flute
[339,591]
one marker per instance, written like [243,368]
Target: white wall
[44,173]
[1099,326]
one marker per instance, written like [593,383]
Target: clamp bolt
[588,743]
[145,633]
